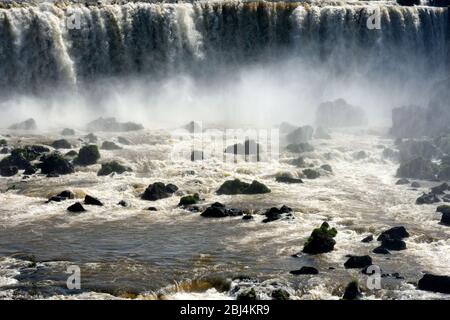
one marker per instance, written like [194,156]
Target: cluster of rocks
[236,186]
[88,200]
[436,194]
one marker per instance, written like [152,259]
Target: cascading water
[54,44]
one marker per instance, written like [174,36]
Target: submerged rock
[68,132]
[357,262]
[393,244]
[352,291]
[61,144]
[339,113]
[435,283]
[89,200]
[236,186]
[87,155]
[275,214]
[299,162]
[321,240]
[158,190]
[111,125]
[305,270]
[109,145]
[28,124]
[110,167]
[287,179]
[76,207]
[124,141]
[55,163]
[62,196]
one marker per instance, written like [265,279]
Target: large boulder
[21,157]
[300,135]
[28,124]
[87,155]
[61,144]
[321,240]
[55,163]
[218,210]
[109,145]
[445,208]
[418,168]
[189,200]
[358,262]
[111,125]
[90,200]
[435,283]
[110,167]
[159,190]
[237,186]
[76,207]
[445,219]
[8,171]
[339,113]
[275,214]
[399,232]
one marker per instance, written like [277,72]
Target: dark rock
[326,167]
[299,162]
[30,170]
[394,233]
[249,295]
[3,143]
[55,163]
[352,291]
[280,294]
[367,239]
[189,200]
[311,173]
[111,125]
[4,151]
[8,171]
[21,157]
[435,283]
[393,244]
[61,144]
[76,207]
[193,209]
[218,210]
[287,179]
[415,184]
[445,220]
[52,175]
[62,196]
[440,189]
[300,147]
[87,155]
[28,124]
[445,208]
[91,138]
[89,200]
[418,168]
[380,250]
[110,167]
[275,214]
[123,203]
[109,145]
[427,198]
[339,113]
[124,141]
[390,154]
[413,149]
[158,190]
[236,186]
[446,198]
[357,262]
[197,155]
[408,3]
[247,217]
[305,270]
[321,240]
[68,132]
[402,181]
[300,135]
[71,154]
[152,209]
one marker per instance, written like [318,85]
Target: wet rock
[218,210]
[305,270]
[360,155]
[367,239]
[393,244]
[339,113]
[415,184]
[427,198]
[394,233]
[124,141]
[300,147]
[311,173]
[109,145]
[55,163]
[418,168]
[445,208]
[62,196]
[247,217]
[111,125]
[71,154]
[89,200]
[288,179]
[352,291]
[326,167]
[30,170]
[189,200]
[3,143]
[248,295]
[124,203]
[408,3]
[20,158]
[299,135]
[76,207]
[87,155]
[197,155]
[28,124]
[110,167]
[299,162]
[159,190]
[402,181]
[61,144]
[321,240]
[440,189]
[236,186]
[4,151]
[68,132]
[357,262]
[435,283]
[152,209]
[52,175]
[275,214]
[412,149]
[380,250]
[91,138]
[8,171]
[249,147]
[446,198]
[280,294]
[322,133]
[445,219]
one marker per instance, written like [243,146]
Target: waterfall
[48,45]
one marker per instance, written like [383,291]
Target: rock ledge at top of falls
[111,125]
[339,113]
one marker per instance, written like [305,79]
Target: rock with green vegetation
[189,200]
[418,168]
[352,291]
[237,186]
[21,157]
[321,240]
[87,155]
[110,167]
[55,163]
[280,294]
[61,144]
[311,173]
[68,132]
[248,295]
